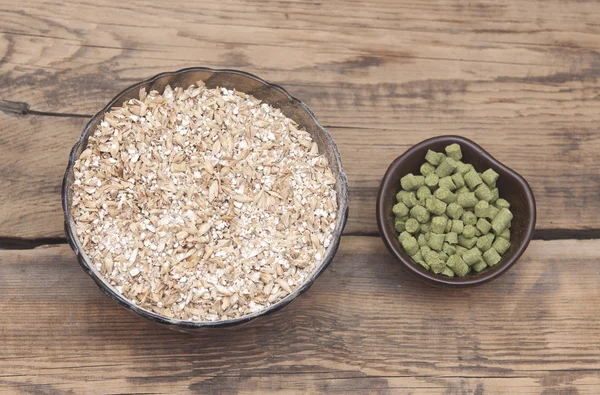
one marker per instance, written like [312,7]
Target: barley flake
[203,204]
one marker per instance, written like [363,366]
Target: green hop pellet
[484,243]
[419,181]
[472,257]
[481,209]
[458,180]
[454,210]
[435,158]
[409,199]
[424,251]
[452,238]
[435,263]
[449,248]
[495,195]
[479,267]
[436,241]
[467,200]
[472,179]
[427,169]
[425,227]
[501,221]
[400,194]
[423,192]
[435,206]
[453,151]
[419,213]
[491,257]
[446,167]
[463,168]
[430,256]
[483,225]
[469,218]
[411,182]
[410,245]
[490,177]
[425,265]
[457,226]
[404,235]
[460,250]
[458,265]
[483,192]
[421,240]
[505,234]
[446,182]
[400,209]
[469,231]
[399,225]
[438,225]
[445,195]
[501,245]
[467,242]
[447,272]
[502,203]
[448,225]
[460,190]
[492,212]
[408,182]
[432,180]
[443,256]
[412,226]
[477,231]
[417,256]
[438,267]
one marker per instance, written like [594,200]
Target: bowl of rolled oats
[204,198]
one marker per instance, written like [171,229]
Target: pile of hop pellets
[451,218]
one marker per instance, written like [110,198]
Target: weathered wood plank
[381,65]
[34,152]
[560,165]
[363,326]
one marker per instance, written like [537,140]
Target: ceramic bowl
[511,185]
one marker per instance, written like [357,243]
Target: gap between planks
[22,108]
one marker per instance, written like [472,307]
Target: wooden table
[522,78]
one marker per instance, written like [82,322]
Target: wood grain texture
[379,64]
[562,169]
[34,151]
[521,78]
[363,326]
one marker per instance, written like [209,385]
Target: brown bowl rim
[413,268]
[192,325]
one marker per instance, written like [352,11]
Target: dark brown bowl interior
[272,94]
[511,186]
